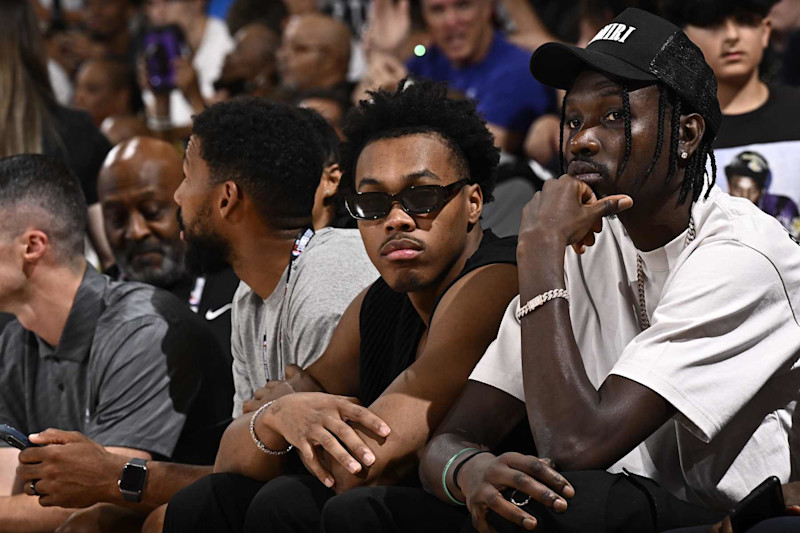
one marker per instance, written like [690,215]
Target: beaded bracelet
[444,475]
[261,446]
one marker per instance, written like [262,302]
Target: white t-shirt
[207,62]
[723,347]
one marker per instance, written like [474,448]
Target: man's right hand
[483,478]
[310,419]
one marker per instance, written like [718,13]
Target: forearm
[238,453]
[564,408]
[23,514]
[163,481]
[437,454]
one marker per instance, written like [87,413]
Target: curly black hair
[269,150]
[422,107]
[706,13]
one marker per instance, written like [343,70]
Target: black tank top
[391,328]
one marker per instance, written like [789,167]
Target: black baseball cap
[637,46]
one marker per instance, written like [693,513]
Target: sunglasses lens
[367,205]
[422,200]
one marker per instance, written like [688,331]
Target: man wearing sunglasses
[420,166]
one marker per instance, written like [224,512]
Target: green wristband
[444,474]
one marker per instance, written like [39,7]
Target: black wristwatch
[131,482]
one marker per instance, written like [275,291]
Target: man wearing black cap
[654,354]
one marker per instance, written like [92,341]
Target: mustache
[405,237]
[601,168]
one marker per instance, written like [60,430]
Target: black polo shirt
[134,367]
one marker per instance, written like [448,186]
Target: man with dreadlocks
[655,353]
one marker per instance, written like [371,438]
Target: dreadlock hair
[694,176]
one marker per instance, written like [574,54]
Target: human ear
[331,177]
[692,128]
[35,242]
[229,201]
[475,199]
[766,25]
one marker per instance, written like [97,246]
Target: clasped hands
[314,422]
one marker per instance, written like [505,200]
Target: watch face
[132,478]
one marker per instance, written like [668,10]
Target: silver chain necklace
[644,320]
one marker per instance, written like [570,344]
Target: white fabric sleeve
[723,327]
[501,365]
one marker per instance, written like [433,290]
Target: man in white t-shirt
[664,343]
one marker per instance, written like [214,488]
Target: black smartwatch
[131,482]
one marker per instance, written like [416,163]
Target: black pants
[616,503]
[301,504]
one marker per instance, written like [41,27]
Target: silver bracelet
[261,446]
[536,301]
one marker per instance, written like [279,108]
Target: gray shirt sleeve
[330,278]
[12,379]
[243,388]
[136,404]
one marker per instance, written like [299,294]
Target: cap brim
[558,64]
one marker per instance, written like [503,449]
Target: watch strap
[133,495]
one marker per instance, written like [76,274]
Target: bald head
[136,186]
[314,53]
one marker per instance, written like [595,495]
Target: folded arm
[419,398]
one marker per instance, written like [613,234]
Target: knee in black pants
[216,503]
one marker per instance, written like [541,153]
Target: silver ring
[33,487]
[515,502]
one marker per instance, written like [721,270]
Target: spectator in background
[250,68]
[749,177]
[314,54]
[329,209]
[470,55]
[119,128]
[209,42]
[136,188]
[102,30]
[755,117]
[331,104]
[35,123]
[107,87]
[125,364]
[785,40]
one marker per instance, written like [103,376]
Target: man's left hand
[566,209]
[69,469]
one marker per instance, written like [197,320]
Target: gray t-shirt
[294,324]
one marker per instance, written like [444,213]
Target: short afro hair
[422,107]
[269,150]
[706,13]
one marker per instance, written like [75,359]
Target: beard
[170,271]
[207,252]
